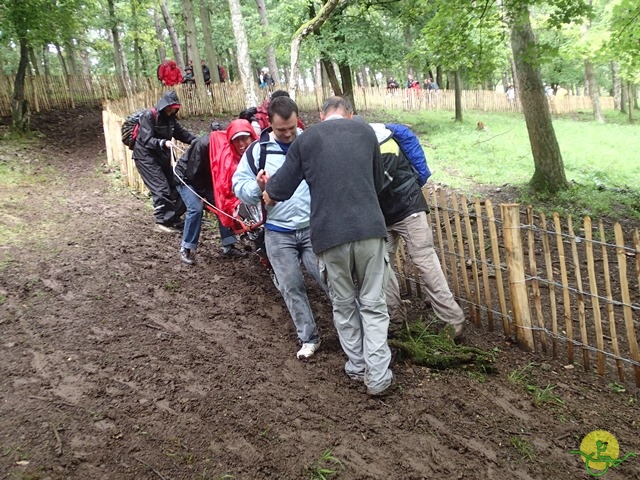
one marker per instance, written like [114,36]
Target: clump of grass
[426,347]
[521,375]
[544,395]
[325,467]
[523,447]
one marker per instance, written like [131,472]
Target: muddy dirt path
[117,361]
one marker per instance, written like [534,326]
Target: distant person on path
[152,156]
[341,162]
[159,71]
[511,96]
[170,74]
[195,182]
[206,73]
[392,85]
[189,78]
[287,228]
[265,79]
[405,211]
[222,73]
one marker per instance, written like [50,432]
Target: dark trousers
[157,176]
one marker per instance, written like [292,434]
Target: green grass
[523,447]
[327,466]
[602,162]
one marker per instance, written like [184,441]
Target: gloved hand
[215,126]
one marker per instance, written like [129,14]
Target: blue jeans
[193,218]
[286,250]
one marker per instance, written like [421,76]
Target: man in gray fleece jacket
[341,162]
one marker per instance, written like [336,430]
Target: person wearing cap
[195,183]
[287,231]
[152,156]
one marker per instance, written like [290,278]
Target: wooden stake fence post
[515,271]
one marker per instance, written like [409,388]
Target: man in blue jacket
[287,232]
[341,162]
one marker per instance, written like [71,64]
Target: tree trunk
[439,76]
[594,92]
[347,84]
[623,96]
[71,57]
[271,53]
[333,78]
[34,61]
[19,106]
[458,95]
[207,32]
[175,43]
[45,60]
[162,53]
[190,22]
[305,30]
[244,62]
[136,40]
[86,64]
[549,172]
[115,38]
[63,64]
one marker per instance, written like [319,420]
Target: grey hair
[336,103]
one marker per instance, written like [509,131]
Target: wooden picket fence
[55,92]
[551,285]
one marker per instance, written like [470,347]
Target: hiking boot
[164,228]
[382,392]
[232,251]
[307,350]
[187,256]
[455,331]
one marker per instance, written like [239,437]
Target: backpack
[411,148]
[262,161]
[131,125]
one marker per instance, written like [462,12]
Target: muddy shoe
[187,256]
[455,332]
[231,251]
[384,391]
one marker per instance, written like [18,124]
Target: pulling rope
[246,225]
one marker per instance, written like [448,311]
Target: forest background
[586,46]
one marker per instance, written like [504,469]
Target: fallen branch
[59,440]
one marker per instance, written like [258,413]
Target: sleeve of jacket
[196,155]
[244,183]
[378,168]
[146,132]
[182,134]
[283,184]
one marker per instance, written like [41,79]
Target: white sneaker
[307,350]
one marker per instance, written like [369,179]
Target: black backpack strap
[262,161]
[250,159]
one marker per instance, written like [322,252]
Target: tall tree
[244,63]
[175,43]
[305,30]
[162,53]
[549,172]
[193,40]
[271,54]
[207,33]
